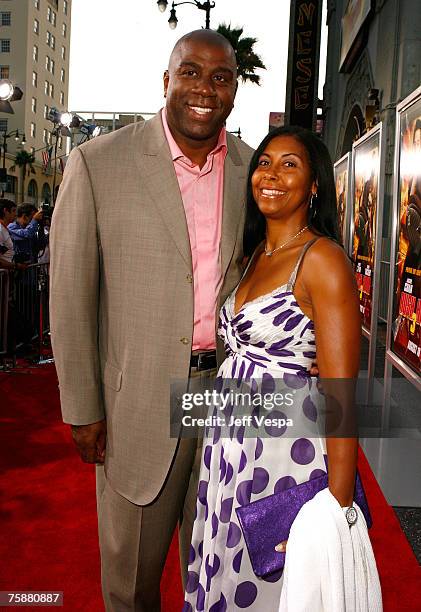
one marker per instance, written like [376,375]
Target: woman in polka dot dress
[297,298]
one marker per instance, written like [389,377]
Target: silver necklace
[281,246]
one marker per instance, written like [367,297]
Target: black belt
[203,361]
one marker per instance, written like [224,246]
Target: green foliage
[247,60]
[23,160]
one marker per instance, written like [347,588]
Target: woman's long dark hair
[324,216]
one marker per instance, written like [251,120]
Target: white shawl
[329,566]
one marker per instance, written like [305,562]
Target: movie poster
[341,183]
[406,341]
[365,190]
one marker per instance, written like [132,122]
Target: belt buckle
[199,361]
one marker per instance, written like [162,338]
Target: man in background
[25,233]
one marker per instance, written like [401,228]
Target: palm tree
[247,59]
[24,161]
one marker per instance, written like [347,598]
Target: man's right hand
[90,441]
[38,216]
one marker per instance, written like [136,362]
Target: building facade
[373,63]
[34,54]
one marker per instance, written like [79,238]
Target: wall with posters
[342,171]
[406,281]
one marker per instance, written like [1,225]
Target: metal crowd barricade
[30,300]
[4,309]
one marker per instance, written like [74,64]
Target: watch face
[351,515]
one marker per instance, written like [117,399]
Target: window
[51,16]
[47,62]
[3,126]
[35,53]
[33,130]
[51,90]
[64,30]
[53,41]
[48,38]
[34,105]
[4,72]
[62,98]
[34,79]
[46,87]
[45,136]
[36,26]
[65,3]
[63,52]
[5,45]
[52,66]
[60,142]
[36,4]
[5,18]
[62,75]
[32,149]
[46,111]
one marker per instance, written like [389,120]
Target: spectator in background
[7,215]
[26,233]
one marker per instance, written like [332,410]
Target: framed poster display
[404,314]
[367,209]
[342,171]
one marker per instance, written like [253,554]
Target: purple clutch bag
[267,522]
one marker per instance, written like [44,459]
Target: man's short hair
[6,204]
[25,209]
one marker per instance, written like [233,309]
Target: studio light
[66,119]
[6,89]
[172,21]
[162,5]
[90,129]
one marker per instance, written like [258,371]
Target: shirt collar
[177,153]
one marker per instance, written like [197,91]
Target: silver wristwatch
[350,515]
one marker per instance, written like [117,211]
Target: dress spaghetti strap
[293,277]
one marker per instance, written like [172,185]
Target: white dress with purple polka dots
[269,338]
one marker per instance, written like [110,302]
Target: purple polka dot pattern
[270,345]
[236,563]
[310,409]
[207,454]
[245,594]
[259,449]
[192,582]
[243,492]
[226,509]
[286,482]
[260,480]
[243,462]
[316,474]
[187,607]
[275,431]
[219,606]
[303,451]
[200,601]
[202,492]
[234,535]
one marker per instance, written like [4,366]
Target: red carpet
[48,538]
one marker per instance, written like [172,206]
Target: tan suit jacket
[121,295]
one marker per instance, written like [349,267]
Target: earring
[312,206]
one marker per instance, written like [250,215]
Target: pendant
[269,253]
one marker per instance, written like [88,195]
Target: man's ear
[166,81]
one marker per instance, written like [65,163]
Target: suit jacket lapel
[234,185]
[161,183]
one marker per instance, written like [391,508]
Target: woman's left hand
[281,547]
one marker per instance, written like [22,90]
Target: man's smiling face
[200,87]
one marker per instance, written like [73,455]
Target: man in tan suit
[126,315]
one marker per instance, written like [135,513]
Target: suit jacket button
[185,340]
[189,278]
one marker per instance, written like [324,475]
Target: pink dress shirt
[202,195]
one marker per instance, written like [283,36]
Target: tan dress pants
[134,540]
